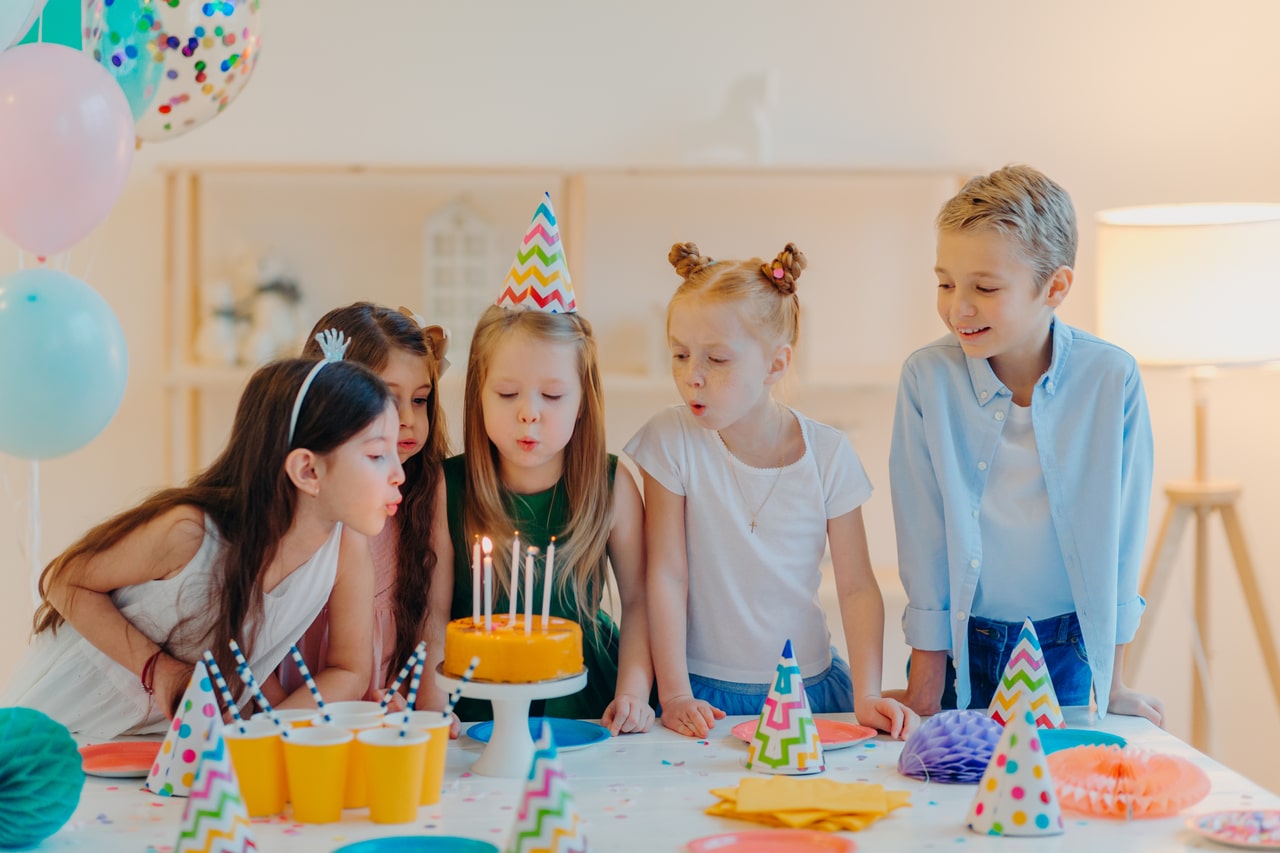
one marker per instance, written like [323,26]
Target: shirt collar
[986,386]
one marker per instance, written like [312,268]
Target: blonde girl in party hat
[535,462]
[410,357]
[743,494]
[250,550]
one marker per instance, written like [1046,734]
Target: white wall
[1124,103]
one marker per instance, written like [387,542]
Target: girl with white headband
[250,549]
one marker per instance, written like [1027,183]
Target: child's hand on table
[689,716]
[627,714]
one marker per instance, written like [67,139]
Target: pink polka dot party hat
[1016,796]
[174,772]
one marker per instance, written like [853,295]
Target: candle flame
[486,545]
[533,551]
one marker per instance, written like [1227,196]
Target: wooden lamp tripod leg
[1252,595]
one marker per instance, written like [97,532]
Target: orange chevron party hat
[1027,674]
[539,277]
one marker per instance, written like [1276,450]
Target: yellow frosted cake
[507,655]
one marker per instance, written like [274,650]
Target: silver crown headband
[333,345]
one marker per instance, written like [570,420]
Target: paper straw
[419,660]
[457,693]
[404,673]
[246,675]
[223,689]
[311,682]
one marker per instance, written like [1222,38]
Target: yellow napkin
[785,801]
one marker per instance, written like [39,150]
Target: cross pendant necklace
[733,470]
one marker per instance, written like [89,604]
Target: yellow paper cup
[437,726]
[356,793]
[258,758]
[294,718]
[395,773]
[315,761]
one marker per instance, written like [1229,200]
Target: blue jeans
[991,643]
[829,692]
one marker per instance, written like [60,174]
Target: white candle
[487,547]
[475,582]
[514,586]
[547,580]
[528,589]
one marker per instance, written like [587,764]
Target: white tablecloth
[648,792]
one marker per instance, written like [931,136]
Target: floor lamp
[1195,286]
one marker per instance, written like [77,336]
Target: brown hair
[584,541]
[246,492]
[375,331]
[1022,203]
[766,291]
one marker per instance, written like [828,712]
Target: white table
[648,792]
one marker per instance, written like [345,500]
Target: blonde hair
[582,545]
[1022,203]
[765,292]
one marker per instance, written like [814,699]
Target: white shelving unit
[349,232]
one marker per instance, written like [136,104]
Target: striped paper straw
[419,660]
[457,693]
[311,682]
[246,675]
[223,689]
[404,673]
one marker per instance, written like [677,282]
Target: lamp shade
[1191,284]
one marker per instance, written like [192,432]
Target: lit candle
[487,547]
[475,582]
[528,589]
[547,580]
[514,586]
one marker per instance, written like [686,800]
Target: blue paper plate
[1056,739]
[569,734]
[419,844]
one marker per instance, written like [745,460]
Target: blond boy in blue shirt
[1020,465]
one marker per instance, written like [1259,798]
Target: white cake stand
[510,748]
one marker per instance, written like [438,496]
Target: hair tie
[778,272]
[333,345]
[435,337]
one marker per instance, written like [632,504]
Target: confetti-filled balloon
[952,746]
[123,35]
[181,62]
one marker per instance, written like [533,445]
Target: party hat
[1027,674]
[1016,796]
[548,819]
[215,819]
[539,276]
[175,769]
[786,737]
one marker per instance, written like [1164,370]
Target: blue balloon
[63,364]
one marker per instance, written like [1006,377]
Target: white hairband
[333,345]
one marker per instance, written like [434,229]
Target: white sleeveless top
[68,678]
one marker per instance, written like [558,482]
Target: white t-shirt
[749,592]
[1015,514]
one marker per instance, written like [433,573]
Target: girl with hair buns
[408,567]
[742,496]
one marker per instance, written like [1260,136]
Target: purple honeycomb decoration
[951,747]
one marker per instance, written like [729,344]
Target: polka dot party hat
[539,276]
[174,772]
[1016,796]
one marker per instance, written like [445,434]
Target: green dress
[537,517]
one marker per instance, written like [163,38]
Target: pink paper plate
[120,760]
[773,841]
[832,733]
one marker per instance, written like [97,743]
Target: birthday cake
[508,655]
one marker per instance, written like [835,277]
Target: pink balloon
[66,143]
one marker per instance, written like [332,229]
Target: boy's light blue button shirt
[1093,433]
